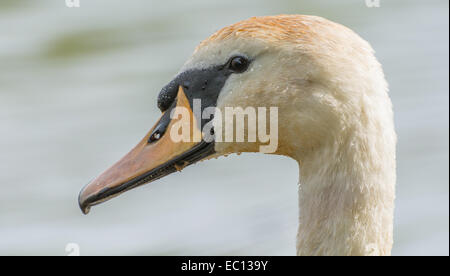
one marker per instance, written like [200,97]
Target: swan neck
[346,198]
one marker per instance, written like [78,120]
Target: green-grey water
[78,89]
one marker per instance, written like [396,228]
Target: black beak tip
[84,204]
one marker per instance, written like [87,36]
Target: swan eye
[238,64]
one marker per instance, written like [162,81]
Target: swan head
[321,79]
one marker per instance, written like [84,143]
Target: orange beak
[155,156]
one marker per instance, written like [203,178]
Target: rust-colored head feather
[279,28]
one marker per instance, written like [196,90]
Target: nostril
[156,135]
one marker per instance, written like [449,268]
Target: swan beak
[156,156]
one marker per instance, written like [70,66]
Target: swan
[334,116]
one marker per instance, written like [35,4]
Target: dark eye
[238,64]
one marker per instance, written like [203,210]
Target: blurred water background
[78,89]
